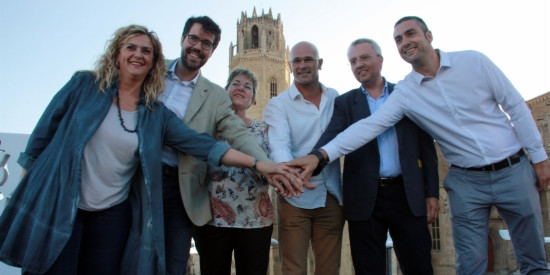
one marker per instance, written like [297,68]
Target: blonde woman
[91,201]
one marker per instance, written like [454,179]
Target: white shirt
[176,97]
[295,125]
[109,162]
[470,108]
[388,146]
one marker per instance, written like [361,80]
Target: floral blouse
[238,197]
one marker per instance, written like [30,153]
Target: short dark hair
[418,20]
[207,24]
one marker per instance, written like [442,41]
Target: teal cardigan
[38,221]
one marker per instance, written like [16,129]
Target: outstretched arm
[284,178]
[307,164]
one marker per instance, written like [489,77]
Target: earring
[116,64]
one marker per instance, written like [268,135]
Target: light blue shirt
[176,97]
[470,108]
[295,125]
[387,141]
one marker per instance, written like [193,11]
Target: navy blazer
[417,157]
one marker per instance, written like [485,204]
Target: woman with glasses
[241,208]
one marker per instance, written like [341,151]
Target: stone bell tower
[261,48]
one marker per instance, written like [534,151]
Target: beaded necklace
[120,116]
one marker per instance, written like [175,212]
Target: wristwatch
[322,161]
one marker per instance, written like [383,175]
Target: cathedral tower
[261,48]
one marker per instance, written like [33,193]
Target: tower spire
[261,48]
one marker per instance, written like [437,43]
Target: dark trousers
[217,244]
[96,243]
[410,235]
[178,228]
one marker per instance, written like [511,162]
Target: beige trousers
[322,226]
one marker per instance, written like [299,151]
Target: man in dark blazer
[390,183]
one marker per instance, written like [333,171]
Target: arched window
[255,35]
[273,88]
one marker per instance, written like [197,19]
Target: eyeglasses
[308,60]
[362,59]
[236,84]
[205,44]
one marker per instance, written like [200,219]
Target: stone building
[540,109]
[261,48]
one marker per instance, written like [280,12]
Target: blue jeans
[178,228]
[513,192]
[96,243]
[322,227]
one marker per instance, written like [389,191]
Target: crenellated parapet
[263,34]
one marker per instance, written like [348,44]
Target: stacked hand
[287,180]
[306,165]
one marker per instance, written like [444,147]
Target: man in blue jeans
[482,126]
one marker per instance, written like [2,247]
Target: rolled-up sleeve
[216,153]
[279,131]
[366,129]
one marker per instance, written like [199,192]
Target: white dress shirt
[295,125]
[388,146]
[176,97]
[470,108]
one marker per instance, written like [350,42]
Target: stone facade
[261,48]
[540,109]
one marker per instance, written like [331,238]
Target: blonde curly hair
[107,71]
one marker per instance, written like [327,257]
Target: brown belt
[507,162]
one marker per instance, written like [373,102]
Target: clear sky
[44,42]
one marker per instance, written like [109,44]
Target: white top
[295,125]
[109,162]
[176,97]
[470,108]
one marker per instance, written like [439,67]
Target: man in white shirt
[297,118]
[390,184]
[482,126]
